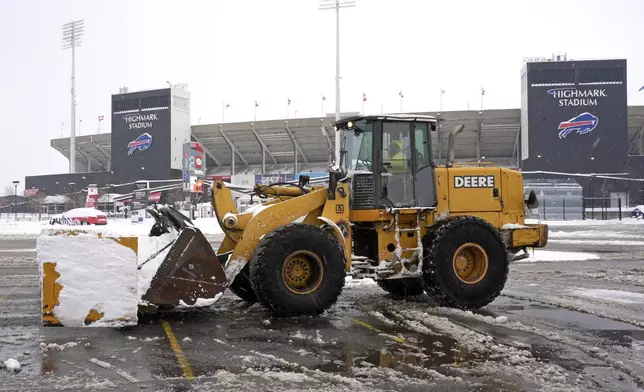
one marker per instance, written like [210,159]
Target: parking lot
[559,325]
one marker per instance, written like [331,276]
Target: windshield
[357,147]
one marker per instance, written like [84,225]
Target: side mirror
[532,201]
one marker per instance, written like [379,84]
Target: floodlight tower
[72,33]
[337,4]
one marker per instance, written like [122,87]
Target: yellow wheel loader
[387,212]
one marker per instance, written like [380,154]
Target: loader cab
[388,160]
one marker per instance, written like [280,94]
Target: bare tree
[8,190]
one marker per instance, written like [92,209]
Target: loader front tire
[466,264]
[242,286]
[297,269]
[404,287]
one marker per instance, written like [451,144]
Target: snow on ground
[597,242]
[12,365]
[594,234]
[587,222]
[11,227]
[625,297]
[552,255]
[118,226]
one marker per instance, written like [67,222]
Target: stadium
[573,127]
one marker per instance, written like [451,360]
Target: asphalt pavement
[559,326]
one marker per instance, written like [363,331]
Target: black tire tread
[405,287]
[242,286]
[261,263]
[441,233]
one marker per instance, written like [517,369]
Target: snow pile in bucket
[96,273]
[152,252]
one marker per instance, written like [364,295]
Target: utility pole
[336,5]
[441,100]
[72,33]
[15,199]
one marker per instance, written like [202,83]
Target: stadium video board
[141,135]
[574,116]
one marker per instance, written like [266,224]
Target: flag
[289,101]
[482,91]
[227,105]
[401,94]
[442,92]
[100,118]
[256,104]
[364,97]
[323,98]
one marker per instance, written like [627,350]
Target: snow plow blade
[190,270]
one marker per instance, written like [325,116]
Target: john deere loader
[387,213]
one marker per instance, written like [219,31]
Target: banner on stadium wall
[243,179]
[194,167]
[312,175]
[273,178]
[92,196]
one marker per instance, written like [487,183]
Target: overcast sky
[239,51]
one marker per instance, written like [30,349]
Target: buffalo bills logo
[141,143]
[583,124]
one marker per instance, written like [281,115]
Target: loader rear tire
[242,287]
[466,263]
[405,287]
[298,269]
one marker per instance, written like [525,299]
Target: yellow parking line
[174,344]
[376,330]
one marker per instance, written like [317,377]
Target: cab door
[407,175]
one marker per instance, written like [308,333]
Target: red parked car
[80,216]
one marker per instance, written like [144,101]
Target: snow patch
[598,242]
[511,226]
[587,222]
[350,281]
[201,302]
[281,376]
[54,346]
[625,297]
[12,365]
[552,255]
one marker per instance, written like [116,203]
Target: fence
[576,208]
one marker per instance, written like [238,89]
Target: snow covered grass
[552,255]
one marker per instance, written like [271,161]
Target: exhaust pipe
[450,144]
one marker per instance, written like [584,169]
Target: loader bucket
[190,271]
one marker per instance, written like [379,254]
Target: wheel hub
[302,272]
[470,263]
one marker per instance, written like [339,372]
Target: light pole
[71,193]
[15,198]
[337,4]
[72,33]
